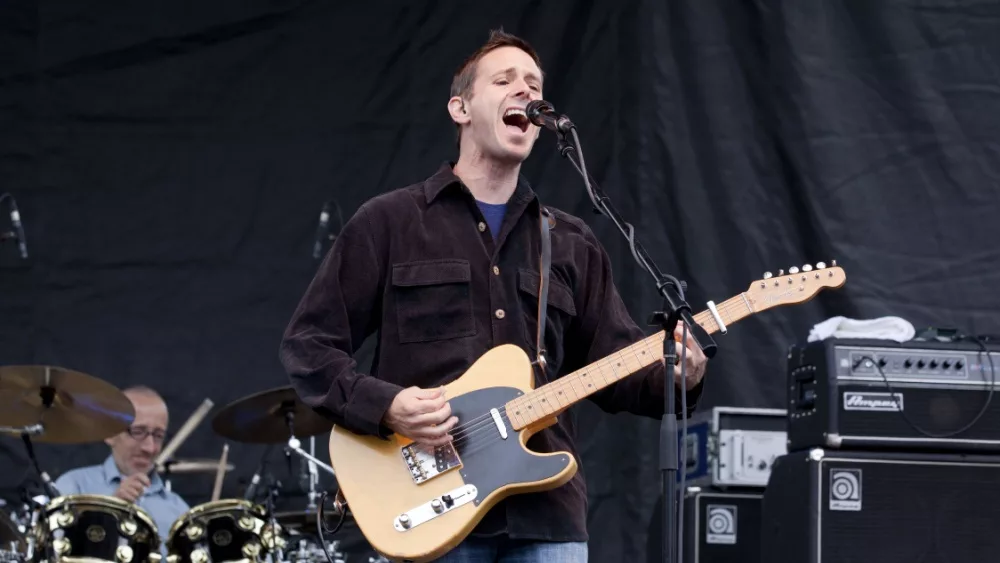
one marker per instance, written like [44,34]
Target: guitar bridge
[425,465]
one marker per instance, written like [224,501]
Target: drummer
[129,473]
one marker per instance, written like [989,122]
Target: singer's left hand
[695,360]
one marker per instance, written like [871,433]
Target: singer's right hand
[422,415]
[132,487]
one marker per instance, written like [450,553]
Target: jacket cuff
[370,401]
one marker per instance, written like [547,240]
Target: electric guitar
[415,503]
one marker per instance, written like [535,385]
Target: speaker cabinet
[830,506]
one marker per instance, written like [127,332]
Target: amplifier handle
[804,390]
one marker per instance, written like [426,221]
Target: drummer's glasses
[139,433]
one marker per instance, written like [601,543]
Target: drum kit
[48,404]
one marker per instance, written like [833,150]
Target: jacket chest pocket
[433,300]
[558,315]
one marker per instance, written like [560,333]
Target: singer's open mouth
[515,117]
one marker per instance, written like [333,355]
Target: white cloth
[883,328]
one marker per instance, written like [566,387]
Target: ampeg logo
[720,526]
[845,489]
[885,402]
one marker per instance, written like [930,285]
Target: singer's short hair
[465,76]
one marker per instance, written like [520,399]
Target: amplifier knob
[881,362]
[934,364]
[908,363]
[946,364]
[958,364]
[920,364]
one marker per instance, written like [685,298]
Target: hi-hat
[193,466]
[262,418]
[71,407]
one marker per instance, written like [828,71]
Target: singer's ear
[456,108]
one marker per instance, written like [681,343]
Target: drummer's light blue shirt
[163,506]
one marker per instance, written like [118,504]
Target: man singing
[129,472]
[447,269]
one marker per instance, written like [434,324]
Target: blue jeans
[504,550]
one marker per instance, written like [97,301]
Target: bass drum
[96,528]
[223,530]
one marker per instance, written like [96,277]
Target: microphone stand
[675,309]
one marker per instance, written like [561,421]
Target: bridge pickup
[425,465]
[435,507]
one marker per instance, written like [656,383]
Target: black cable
[684,433]
[321,525]
[982,411]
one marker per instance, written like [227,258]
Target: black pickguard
[489,462]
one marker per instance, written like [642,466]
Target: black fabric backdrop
[170,160]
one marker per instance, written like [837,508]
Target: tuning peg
[820,265]
[793,270]
[807,268]
[768,275]
[781,272]
[833,263]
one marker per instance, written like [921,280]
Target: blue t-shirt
[493,213]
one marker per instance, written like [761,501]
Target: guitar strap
[546,222]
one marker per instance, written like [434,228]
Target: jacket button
[500,314]
[496,271]
[482,227]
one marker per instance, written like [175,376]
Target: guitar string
[564,383]
[465,439]
[468,430]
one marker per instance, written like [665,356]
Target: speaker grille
[909,512]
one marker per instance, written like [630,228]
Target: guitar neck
[556,396]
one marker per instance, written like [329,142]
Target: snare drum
[224,530]
[96,528]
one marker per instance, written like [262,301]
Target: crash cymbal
[73,407]
[261,418]
[206,465]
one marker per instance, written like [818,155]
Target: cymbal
[205,465]
[261,418]
[73,407]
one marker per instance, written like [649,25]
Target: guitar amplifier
[720,526]
[732,446]
[895,507]
[852,393]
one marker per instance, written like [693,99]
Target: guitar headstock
[798,285]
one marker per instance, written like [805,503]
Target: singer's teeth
[516,117]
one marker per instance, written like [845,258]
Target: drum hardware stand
[255,480]
[48,396]
[294,445]
[166,475]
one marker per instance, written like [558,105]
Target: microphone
[542,114]
[323,228]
